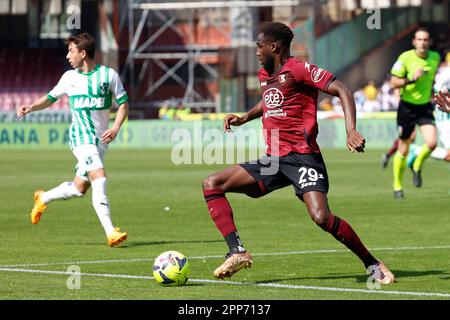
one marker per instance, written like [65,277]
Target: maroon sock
[220,211]
[393,149]
[344,233]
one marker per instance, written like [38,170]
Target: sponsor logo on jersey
[282,78]
[273,98]
[317,74]
[264,83]
[87,102]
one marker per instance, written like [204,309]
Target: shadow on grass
[399,274]
[130,244]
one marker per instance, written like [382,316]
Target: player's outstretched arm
[355,141]
[234,120]
[42,103]
[442,100]
[111,133]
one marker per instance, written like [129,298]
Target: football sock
[399,169]
[413,152]
[421,157]
[101,204]
[393,149]
[65,190]
[220,211]
[344,233]
[234,242]
[439,154]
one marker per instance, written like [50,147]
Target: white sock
[101,204]
[439,153]
[65,190]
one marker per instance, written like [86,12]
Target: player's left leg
[308,175]
[443,127]
[430,137]
[101,205]
[319,211]
[91,158]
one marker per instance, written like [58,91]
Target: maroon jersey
[290,106]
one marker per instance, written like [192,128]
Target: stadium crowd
[373,97]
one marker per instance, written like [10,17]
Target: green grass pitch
[293,258]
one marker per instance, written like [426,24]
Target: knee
[320,216]
[212,183]
[81,187]
[432,145]
[82,191]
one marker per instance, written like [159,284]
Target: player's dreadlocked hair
[277,31]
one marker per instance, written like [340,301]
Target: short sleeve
[399,67]
[313,75]
[117,88]
[60,89]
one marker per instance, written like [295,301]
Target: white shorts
[90,157]
[444,133]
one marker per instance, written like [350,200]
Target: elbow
[341,90]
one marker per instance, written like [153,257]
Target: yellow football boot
[116,237]
[39,207]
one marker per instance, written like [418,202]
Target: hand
[108,136]
[23,110]
[417,74]
[355,141]
[442,100]
[232,120]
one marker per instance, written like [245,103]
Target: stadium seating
[26,76]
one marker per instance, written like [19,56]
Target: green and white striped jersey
[90,96]
[442,81]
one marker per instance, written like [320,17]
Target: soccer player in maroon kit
[289,113]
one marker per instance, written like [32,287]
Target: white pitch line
[271,285]
[218,256]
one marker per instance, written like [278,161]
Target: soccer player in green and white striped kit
[90,88]
[442,122]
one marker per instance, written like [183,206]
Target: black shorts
[408,115]
[306,172]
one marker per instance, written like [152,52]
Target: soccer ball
[171,268]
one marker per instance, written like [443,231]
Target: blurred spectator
[360,98]
[371,93]
[389,98]
[336,103]
[447,59]
[166,112]
[325,105]
[181,112]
